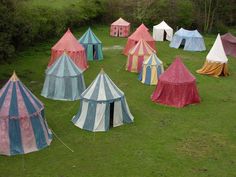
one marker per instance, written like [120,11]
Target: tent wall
[79,57]
[63,88]
[158,34]
[119,31]
[95,116]
[150,74]
[91,54]
[25,135]
[191,43]
[134,62]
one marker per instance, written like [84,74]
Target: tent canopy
[64,80]
[177,73]
[89,38]
[120,22]
[141,32]
[102,89]
[191,39]
[75,50]
[217,53]
[142,48]
[229,44]
[160,29]
[23,128]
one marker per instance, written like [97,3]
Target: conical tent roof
[162,25]
[152,60]
[121,22]
[177,73]
[16,101]
[68,42]
[142,48]
[229,37]
[141,33]
[102,89]
[89,38]
[217,53]
[64,67]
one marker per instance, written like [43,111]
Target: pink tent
[229,44]
[176,86]
[140,33]
[120,28]
[72,47]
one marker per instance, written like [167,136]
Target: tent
[216,61]
[191,40]
[229,44]
[64,80]
[162,32]
[92,45]
[140,52]
[176,87]
[103,105]
[140,33]
[151,70]
[120,28]
[75,50]
[23,127]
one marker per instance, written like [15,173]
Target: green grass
[195,141]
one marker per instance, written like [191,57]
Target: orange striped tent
[140,52]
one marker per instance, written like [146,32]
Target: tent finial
[102,70]
[14,77]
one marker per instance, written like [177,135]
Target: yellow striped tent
[151,70]
[139,53]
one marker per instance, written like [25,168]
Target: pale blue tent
[64,80]
[191,40]
[103,105]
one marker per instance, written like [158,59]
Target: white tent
[162,32]
[217,52]
[216,61]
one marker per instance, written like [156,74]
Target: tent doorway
[111,114]
[164,37]
[94,53]
[182,43]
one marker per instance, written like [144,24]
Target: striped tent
[23,127]
[92,45]
[103,106]
[140,52]
[151,70]
[64,80]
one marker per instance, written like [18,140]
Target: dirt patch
[201,145]
[115,47]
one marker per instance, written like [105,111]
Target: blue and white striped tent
[151,70]
[103,106]
[192,40]
[64,80]
[92,45]
[23,127]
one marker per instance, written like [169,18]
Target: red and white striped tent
[120,28]
[139,53]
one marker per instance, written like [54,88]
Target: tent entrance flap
[111,114]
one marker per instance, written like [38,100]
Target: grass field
[195,141]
